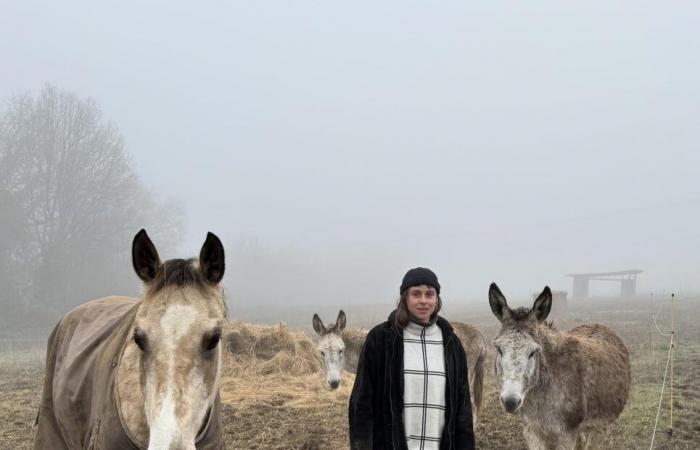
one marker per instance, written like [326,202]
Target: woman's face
[421,302]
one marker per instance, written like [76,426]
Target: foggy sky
[490,142]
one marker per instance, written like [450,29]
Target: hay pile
[354,337]
[264,349]
[274,394]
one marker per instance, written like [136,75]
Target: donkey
[338,348]
[123,373]
[567,386]
[474,344]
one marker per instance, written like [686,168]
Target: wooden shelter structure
[626,278]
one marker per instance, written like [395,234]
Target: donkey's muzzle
[511,403]
[334,384]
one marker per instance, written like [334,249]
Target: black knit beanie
[417,277]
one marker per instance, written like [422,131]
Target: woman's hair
[403,316]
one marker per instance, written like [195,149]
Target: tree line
[70,201]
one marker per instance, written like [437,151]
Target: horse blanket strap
[78,409]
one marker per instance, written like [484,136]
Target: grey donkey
[567,386]
[339,348]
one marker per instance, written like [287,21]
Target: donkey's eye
[212,342]
[532,354]
[323,354]
[140,340]
[500,352]
[340,352]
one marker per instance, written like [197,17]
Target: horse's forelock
[177,273]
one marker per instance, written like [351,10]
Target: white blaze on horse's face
[331,348]
[518,354]
[178,328]
[180,367]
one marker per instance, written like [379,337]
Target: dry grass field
[274,397]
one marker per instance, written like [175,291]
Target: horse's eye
[140,340]
[323,354]
[213,342]
[532,353]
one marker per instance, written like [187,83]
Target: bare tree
[75,193]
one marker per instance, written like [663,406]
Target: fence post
[673,345]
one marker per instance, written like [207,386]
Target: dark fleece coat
[79,409]
[376,404]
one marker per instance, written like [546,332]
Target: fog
[332,147]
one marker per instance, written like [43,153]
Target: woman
[411,389]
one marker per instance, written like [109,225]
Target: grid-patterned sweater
[424,386]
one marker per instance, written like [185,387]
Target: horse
[126,373]
[567,386]
[340,348]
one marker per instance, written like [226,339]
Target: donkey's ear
[318,325]
[211,259]
[144,257]
[340,321]
[498,303]
[542,305]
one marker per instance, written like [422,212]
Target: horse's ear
[318,325]
[211,259]
[542,305]
[498,303]
[144,257]
[340,321]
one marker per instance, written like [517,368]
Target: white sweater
[424,386]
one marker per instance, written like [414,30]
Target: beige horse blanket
[79,409]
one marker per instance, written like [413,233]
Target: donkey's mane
[177,272]
[520,317]
[332,329]
[519,314]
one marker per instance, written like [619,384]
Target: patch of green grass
[635,426]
